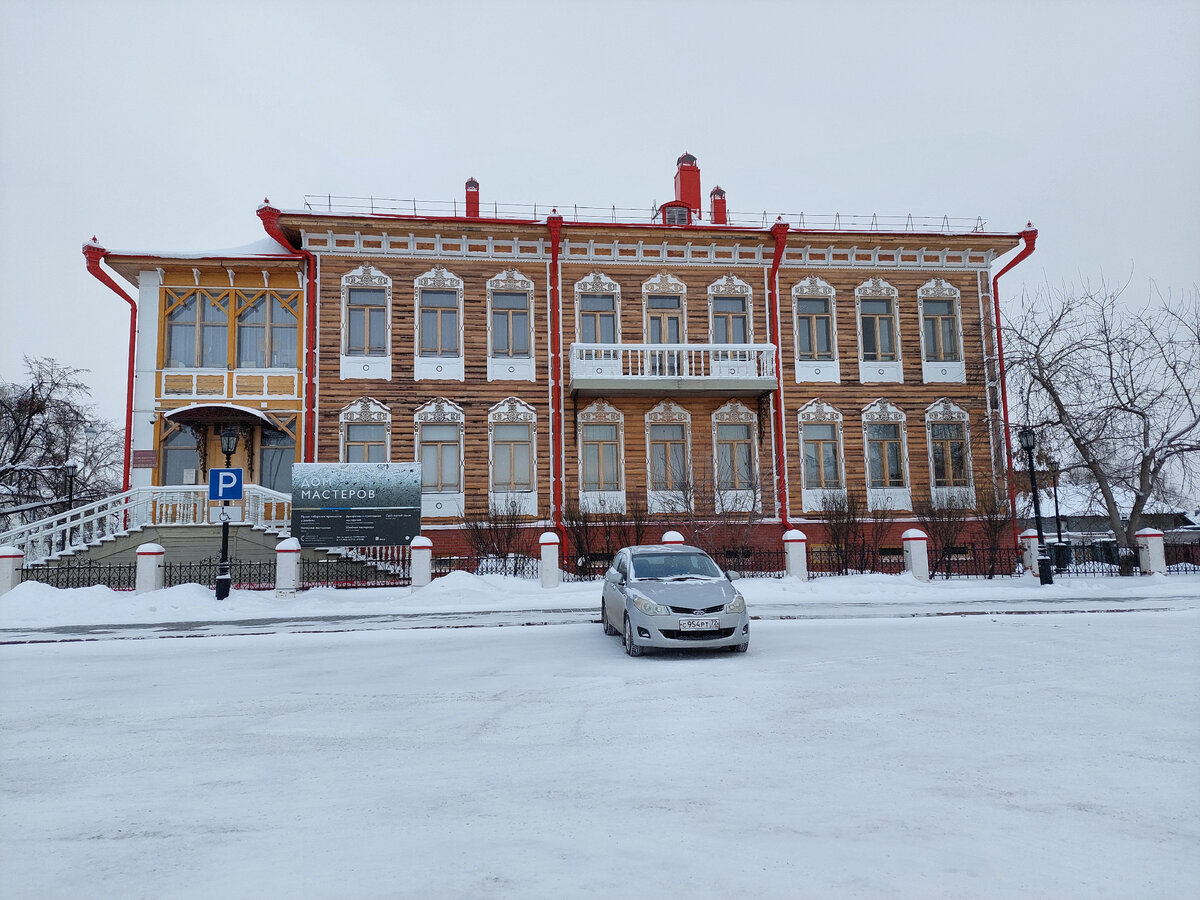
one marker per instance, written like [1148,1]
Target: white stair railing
[86,526]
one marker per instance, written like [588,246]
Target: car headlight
[736,605]
[649,607]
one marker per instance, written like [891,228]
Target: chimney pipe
[718,215]
[472,198]
[687,182]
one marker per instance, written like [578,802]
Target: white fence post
[422,561]
[795,549]
[149,573]
[916,553]
[287,568]
[1029,550]
[672,537]
[550,573]
[11,562]
[1152,555]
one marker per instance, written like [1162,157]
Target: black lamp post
[70,469]
[1028,441]
[229,442]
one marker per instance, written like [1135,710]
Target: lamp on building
[229,442]
[1028,440]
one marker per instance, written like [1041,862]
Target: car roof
[639,549]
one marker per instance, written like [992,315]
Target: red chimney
[687,182]
[472,198]
[717,216]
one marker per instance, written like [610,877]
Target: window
[364,432]
[510,325]
[948,453]
[730,320]
[815,331]
[601,469]
[512,426]
[266,330]
[941,332]
[439,302]
[675,215]
[665,323]
[180,458]
[440,458]
[887,457]
[878,334]
[366,324]
[597,319]
[668,457]
[197,329]
[731,323]
[275,460]
[821,452]
[734,457]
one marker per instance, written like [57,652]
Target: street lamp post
[1028,441]
[229,442]
[70,469]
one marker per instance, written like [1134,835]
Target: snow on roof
[1085,499]
[264,246]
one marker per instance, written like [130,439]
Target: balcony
[736,369]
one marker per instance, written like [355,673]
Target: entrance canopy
[217,414]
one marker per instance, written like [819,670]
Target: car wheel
[630,647]
[608,629]
[740,648]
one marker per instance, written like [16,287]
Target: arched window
[512,454]
[822,461]
[815,330]
[669,484]
[886,442]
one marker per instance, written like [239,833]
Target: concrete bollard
[12,561]
[422,561]
[1152,554]
[551,576]
[287,568]
[151,558]
[795,550]
[1029,550]
[672,537]
[916,553]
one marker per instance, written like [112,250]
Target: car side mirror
[731,575]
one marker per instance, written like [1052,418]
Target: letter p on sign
[224,484]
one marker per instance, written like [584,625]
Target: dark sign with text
[356,504]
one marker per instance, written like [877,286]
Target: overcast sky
[161,126]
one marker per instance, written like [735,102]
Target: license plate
[699,624]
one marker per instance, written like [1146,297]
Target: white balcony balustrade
[747,369]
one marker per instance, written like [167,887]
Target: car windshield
[673,566]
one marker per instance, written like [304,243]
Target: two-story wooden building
[547,361]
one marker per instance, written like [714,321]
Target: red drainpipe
[779,231]
[1029,236]
[94,254]
[557,428]
[270,220]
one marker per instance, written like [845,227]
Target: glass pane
[609,468]
[824,338]
[743,460]
[255,313]
[356,325]
[600,432]
[877,307]
[591,467]
[510,433]
[666,432]
[811,469]
[429,466]
[896,478]
[805,345]
[210,312]
[818,432]
[875,452]
[277,468]
[661,301]
[356,453]
[870,346]
[376,347]
[522,468]
[931,339]
[429,333]
[887,338]
[596,302]
[720,330]
[500,334]
[958,462]
[831,466]
[181,345]
[439,433]
[283,346]
[883,432]
[739,330]
[184,312]
[939,464]
[733,432]
[366,297]
[939,307]
[658,467]
[608,329]
[506,300]
[280,314]
[812,306]
[949,339]
[946,431]
[376,453]
[588,326]
[520,334]
[362,434]
[449,467]
[729,304]
[678,464]
[502,465]
[450,333]
[439,299]
[216,340]
[251,352]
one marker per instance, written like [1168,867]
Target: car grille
[688,611]
[714,635]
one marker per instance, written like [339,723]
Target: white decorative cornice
[946,410]
[668,413]
[817,410]
[882,410]
[597,283]
[439,409]
[602,412]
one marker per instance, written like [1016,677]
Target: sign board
[144,459]
[224,484]
[356,504]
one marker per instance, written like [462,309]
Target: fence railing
[976,561]
[245,574]
[853,560]
[1182,558]
[1100,559]
[346,572]
[118,576]
[647,363]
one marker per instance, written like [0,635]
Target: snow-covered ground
[922,743]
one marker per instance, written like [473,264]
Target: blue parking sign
[224,484]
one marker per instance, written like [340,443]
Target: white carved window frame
[932,372]
[353,366]
[439,368]
[440,411]
[508,368]
[365,411]
[731,286]
[669,413]
[819,370]
[601,413]
[941,411]
[818,412]
[604,360]
[883,411]
[513,411]
[664,285]
[735,413]
[879,371]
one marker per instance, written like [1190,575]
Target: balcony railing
[717,368]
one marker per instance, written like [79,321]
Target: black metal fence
[854,560]
[755,561]
[118,576]
[1101,558]
[515,565]
[342,572]
[1183,558]
[976,561]
[245,574]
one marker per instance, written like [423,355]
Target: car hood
[687,594]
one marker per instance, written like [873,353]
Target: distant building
[552,360]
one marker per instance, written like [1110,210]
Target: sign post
[224,485]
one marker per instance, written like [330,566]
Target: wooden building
[550,362]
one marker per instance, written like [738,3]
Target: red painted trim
[557,427]
[914,539]
[779,231]
[270,219]
[94,254]
[1029,235]
[151,553]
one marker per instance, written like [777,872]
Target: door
[665,326]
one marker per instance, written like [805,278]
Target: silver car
[672,596]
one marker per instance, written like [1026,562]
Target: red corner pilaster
[558,429]
[779,232]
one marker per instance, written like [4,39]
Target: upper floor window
[939,303]
[675,215]
[197,329]
[439,323]
[266,330]
[597,319]
[366,324]
[365,429]
[510,327]
[878,332]
[814,320]
[510,324]
[729,311]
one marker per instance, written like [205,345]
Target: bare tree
[943,517]
[46,421]
[503,533]
[996,526]
[1112,388]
